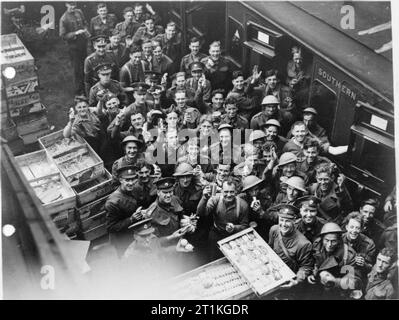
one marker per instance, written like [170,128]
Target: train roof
[340,48]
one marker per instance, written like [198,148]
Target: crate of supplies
[31,123]
[36,165]
[215,280]
[80,165]
[256,261]
[55,144]
[16,61]
[54,193]
[94,189]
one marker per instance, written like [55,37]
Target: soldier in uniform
[161,63]
[309,224]
[118,49]
[198,83]
[104,23]
[295,188]
[121,210]
[310,160]
[243,91]
[217,68]
[140,103]
[144,188]
[100,56]
[106,85]
[372,227]
[271,128]
[148,31]
[258,199]
[336,201]
[226,150]
[228,211]
[73,29]
[194,56]
[335,274]
[132,147]
[232,117]
[133,70]
[270,111]
[166,212]
[136,127]
[291,245]
[363,245]
[171,44]
[127,28]
[379,285]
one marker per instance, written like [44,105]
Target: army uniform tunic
[91,62]
[312,231]
[166,217]
[379,287]
[98,27]
[205,92]
[219,74]
[131,73]
[142,34]
[374,229]
[299,249]
[239,122]
[119,207]
[188,59]
[309,169]
[162,65]
[127,29]
[145,194]
[365,247]
[114,87]
[122,162]
[121,53]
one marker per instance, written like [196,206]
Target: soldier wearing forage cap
[309,224]
[198,83]
[291,245]
[166,212]
[105,85]
[100,56]
[121,210]
[140,104]
[335,273]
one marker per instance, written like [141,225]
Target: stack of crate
[21,110]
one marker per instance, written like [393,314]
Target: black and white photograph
[199,151]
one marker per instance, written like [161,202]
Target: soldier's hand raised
[207,192]
[71,114]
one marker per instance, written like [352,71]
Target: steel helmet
[272,122]
[270,99]
[256,134]
[330,227]
[297,183]
[286,157]
[249,182]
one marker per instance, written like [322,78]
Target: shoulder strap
[283,247]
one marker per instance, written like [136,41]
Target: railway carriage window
[235,39]
[324,101]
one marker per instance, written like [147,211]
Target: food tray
[55,144]
[215,280]
[36,165]
[256,261]
[66,199]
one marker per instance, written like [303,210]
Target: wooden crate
[31,165]
[94,189]
[91,209]
[31,123]
[48,141]
[191,285]
[14,54]
[94,221]
[34,136]
[62,205]
[28,109]
[93,171]
[23,87]
[23,100]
